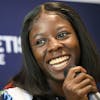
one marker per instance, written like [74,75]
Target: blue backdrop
[12,13]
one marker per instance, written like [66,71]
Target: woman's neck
[56,87]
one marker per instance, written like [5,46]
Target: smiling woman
[56,46]
[53,40]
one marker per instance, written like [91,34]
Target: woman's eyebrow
[60,27]
[37,34]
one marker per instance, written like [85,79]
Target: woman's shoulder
[15,93]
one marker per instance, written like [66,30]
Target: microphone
[94,96]
[91,96]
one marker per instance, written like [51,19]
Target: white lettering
[10,44]
[2,59]
[17,45]
[8,40]
[1,48]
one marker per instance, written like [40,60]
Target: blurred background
[12,13]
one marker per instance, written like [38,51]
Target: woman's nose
[54,45]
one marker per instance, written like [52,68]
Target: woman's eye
[40,42]
[62,35]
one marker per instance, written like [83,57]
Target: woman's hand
[77,87]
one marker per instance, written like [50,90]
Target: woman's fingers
[74,71]
[80,84]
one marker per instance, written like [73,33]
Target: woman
[61,61]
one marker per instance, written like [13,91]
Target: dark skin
[78,86]
[56,47]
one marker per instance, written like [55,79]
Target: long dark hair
[31,77]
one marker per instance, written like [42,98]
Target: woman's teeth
[59,60]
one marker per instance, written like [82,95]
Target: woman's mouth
[59,63]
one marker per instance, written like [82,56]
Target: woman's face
[54,44]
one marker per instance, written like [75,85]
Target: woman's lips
[59,63]
[58,60]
